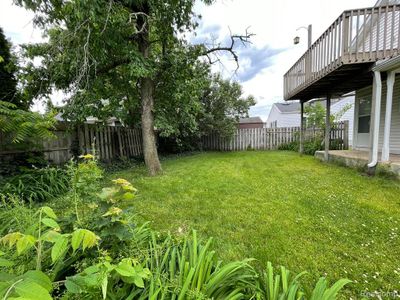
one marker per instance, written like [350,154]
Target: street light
[296,40]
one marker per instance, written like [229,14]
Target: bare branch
[212,53]
[108,16]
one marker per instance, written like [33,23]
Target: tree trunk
[147,98]
[149,139]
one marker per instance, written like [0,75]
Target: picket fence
[111,142]
[272,138]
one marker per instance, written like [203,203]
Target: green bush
[37,185]
[292,146]
[311,146]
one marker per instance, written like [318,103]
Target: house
[284,115]
[359,52]
[287,114]
[252,122]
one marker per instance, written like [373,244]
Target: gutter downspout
[388,117]
[376,123]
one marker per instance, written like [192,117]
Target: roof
[294,107]
[250,120]
[288,107]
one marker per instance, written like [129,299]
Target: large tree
[8,69]
[111,53]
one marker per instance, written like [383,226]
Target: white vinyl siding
[282,119]
[293,119]
[348,115]
[395,126]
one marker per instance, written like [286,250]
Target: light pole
[309,30]
[296,41]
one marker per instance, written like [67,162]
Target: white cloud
[18,23]
[273,22]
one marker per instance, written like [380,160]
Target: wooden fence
[272,138]
[109,143]
[120,142]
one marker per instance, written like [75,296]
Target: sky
[262,63]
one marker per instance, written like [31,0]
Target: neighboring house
[287,114]
[252,122]
[365,59]
[284,115]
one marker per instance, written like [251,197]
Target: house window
[364,115]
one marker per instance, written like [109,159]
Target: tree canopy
[128,59]
[8,69]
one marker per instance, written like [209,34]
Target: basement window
[364,115]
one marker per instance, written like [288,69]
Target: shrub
[292,146]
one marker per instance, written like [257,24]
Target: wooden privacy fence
[272,138]
[109,143]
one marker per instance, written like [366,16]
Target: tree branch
[218,48]
[112,65]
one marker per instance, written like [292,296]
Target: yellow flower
[113,211]
[87,156]
[121,181]
[93,205]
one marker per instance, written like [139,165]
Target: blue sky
[263,63]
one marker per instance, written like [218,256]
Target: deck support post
[301,150]
[327,127]
[375,121]
[388,116]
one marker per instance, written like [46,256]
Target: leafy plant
[45,239]
[287,286]
[84,180]
[15,214]
[38,185]
[21,125]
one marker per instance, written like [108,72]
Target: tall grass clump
[37,185]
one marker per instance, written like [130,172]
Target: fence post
[346,135]
[121,151]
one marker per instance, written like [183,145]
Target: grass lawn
[280,207]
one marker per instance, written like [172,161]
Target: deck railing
[357,36]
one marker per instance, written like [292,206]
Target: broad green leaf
[85,237]
[11,238]
[59,248]
[138,281]
[40,278]
[89,240]
[107,192]
[5,262]
[25,243]
[49,212]
[31,290]
[73,284]
[77,238]
[50,236]
[51,223]
[129,188]
[125,268]
[128,196]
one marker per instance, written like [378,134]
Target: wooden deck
[341,59]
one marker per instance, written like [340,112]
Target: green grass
[280,207]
